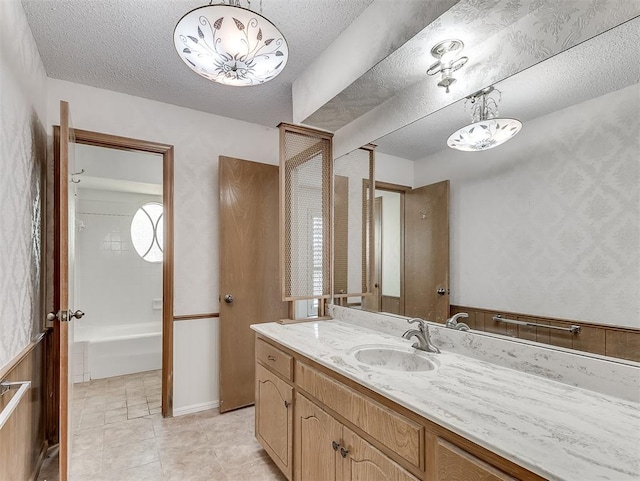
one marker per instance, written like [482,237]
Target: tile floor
[119,434]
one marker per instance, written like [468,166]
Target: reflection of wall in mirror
[390,243]
[354,167]
[548,223]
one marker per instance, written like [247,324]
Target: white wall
[22,150]
[391,238]
[549,223]
[199,138]
[394,170]
[114,286]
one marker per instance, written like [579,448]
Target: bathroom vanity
[336,401]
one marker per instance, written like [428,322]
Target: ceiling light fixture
[446,53]
[231,45]
[486,130]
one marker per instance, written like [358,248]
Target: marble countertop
[555,430]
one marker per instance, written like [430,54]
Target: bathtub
[108,351]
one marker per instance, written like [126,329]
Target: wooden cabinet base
[334,429]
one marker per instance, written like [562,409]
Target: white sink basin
[395,358]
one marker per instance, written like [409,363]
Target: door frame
[399,189]
[99,139]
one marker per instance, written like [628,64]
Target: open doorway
[123,275]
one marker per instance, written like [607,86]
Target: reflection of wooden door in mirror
[248,271]
[373,302]
[426,255]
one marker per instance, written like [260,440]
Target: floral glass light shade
[230,45]
[487,130]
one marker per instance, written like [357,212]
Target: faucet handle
[423,324]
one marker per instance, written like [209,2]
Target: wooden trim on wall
[391,187]
[596,338]
[24,438]
[137,145]
[190,317]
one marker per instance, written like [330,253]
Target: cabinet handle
[344,452]
[271,358]
[335,445]
[287,404]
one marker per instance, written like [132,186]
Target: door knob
[64,316]
[228,298]
[442,291]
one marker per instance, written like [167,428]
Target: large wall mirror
[352,220]
[544,229]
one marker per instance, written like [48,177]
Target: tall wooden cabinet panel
[363,462]
[274,417]
[316,455]
[454,464]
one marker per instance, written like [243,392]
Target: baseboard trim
[41,458]
[195,408]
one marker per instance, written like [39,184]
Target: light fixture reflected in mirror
[486,130]
[447,52]
[230,45]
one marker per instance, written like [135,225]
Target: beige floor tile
[129,455]
[87,442]
[196,464]
[146,472]
[91,420]
[260,468]
[128,431]
[86,467]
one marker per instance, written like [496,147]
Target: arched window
[147,232]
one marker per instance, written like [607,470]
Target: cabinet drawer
[401,435]
[274,359]
[454,464]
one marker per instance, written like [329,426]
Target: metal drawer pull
[335,445]
[271,358]
[344,452]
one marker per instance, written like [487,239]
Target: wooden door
[64,208]
[274,418]
[316,455]
[426,252]
[249,271]
[363,462]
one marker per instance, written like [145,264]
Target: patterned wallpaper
[550,224]
[22,154]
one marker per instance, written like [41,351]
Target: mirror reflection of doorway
[388,228]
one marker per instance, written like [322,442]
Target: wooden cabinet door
[363,462]
[274,418]
[315,458]
[454,464]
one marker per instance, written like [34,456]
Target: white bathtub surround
[110,351]
[606,375]
[558,431]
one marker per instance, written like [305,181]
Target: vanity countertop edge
[555,430]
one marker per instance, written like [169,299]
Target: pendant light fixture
[487,130]
[448,62]
[231,45]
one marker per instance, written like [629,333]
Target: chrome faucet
[422,333]
[452,322]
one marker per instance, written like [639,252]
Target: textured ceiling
[607,62]
[127,46]
[492,31]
